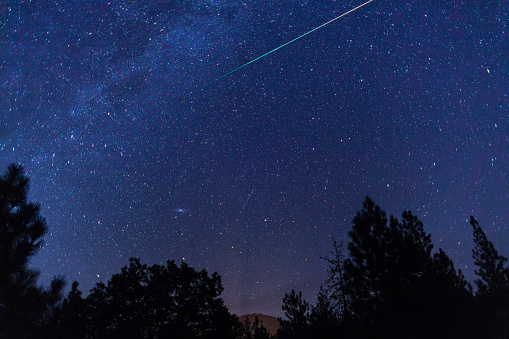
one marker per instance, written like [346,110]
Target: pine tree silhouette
[492,285]
[296,325]
[24,307]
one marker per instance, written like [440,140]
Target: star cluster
[133,148]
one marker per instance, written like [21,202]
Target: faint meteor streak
[248,198]
[289,42]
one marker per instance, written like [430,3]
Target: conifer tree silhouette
[24,306]
[492,284]
[493,275]
[296,309]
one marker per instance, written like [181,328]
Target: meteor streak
[248,199]
[289,42]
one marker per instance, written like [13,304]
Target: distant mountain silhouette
[269,322]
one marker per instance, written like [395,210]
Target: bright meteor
[289,42]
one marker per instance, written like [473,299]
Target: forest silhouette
[386,283]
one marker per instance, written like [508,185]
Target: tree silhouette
[492,285]
[334,287]
[408,252]
[493,276]
[365,267]
[297,313]
[67,321]
[254,330]
[159,301]
[24,307]
[247,329]
[259,331]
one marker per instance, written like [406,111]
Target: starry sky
[133,148]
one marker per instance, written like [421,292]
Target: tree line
[389,284]
[386,283]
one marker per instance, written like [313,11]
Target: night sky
[133,149]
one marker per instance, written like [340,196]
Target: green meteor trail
[289,42]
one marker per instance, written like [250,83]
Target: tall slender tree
[408,258]
[365,267]
[334,287]
[492,284]
[24,307]
[493,275]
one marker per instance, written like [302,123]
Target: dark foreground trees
[254,330]
[394,282]
[391,285]
[159,301]
[24,306]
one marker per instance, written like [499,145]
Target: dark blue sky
[134,150]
